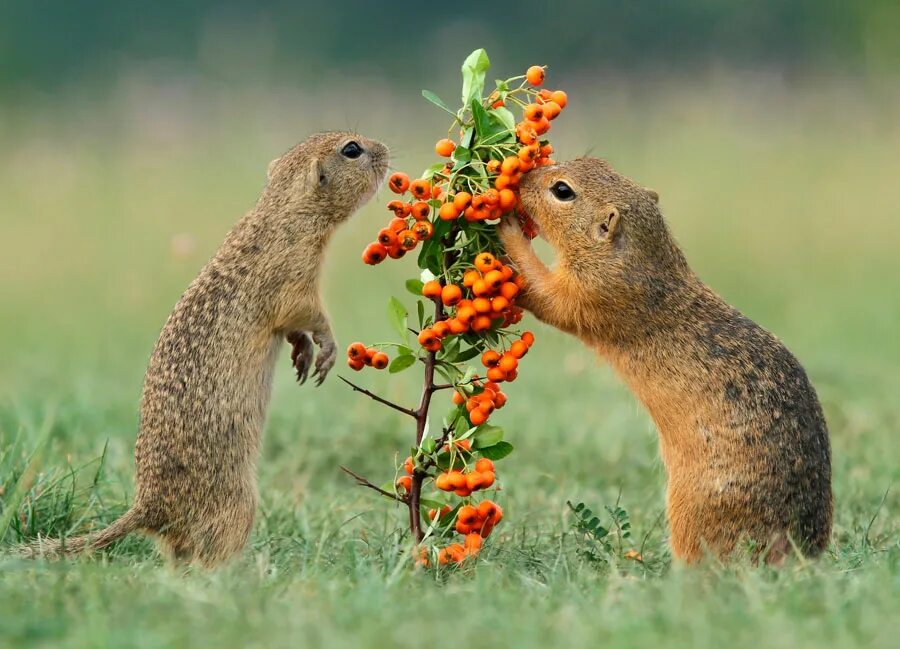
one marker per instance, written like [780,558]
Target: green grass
[784,202]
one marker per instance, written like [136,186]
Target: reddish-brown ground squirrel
[207,386]
[742,434]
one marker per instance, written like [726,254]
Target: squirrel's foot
[327,355]
[301,354]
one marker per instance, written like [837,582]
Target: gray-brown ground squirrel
[742,434]
[207,387]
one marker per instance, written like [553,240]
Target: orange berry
[534,112]
[462,200]
[470,277]
[473,542]
[490,358]
[387,238]
[448,212]
[508,362]
[457,326]
[429,340]
[509,290]
[528,154]
[482,305]
[421,189]
[512,376]
[535,75]
[510,165]
[507,199]
[541,126]
[481,323]
[496,374]
[466,314]
[518,349]
[398,182]
[494,279]
[423,230]
[560,98]
[356,351]
[407,239]
[485,262]
[528,338]
[451,295]
[457,398]
[491,197]
[442,482]
[441,329]
[374,253]
[356,364]
[405,482]
[493,166]
[464,444]
[380,361]
[552,110]
[432,289]
[444,148]
[474,481]
[483,465]
[487,479]
[456,480]
[397,224]
[504,182]
[525,133]
[477,417]
[467,515]
[489,511]
[499,303]
[481,288]
[399,208]
[500,400]
[408,466]
[420,210]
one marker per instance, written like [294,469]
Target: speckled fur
[207,387]
[742,434]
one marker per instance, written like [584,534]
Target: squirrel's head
[599,220]
[331,174]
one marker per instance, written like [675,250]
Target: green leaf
[467,355]
[420,308]
[428,445]
[466,140]
[397,316]
[431,504]
[482,121]
[437,101]
[415,286]
[497,452]
[473,70]
[401,362]
[505,117]
[487,436]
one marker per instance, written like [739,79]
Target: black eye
[562,191]
[352,150]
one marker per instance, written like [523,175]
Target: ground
[784,204]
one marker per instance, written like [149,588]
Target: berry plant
[466,309]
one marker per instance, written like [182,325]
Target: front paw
[301,354]
[512,237]
[326,358]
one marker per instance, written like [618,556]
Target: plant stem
[421,415]
[372,395]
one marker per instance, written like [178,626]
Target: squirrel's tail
[129,522]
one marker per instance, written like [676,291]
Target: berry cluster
[450,214]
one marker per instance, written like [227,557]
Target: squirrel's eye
[562,191]
[352,150]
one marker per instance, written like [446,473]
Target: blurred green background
[133,135]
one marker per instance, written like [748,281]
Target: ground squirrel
[742,434]
[207,386]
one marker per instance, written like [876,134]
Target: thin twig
[365,483]
[407,411]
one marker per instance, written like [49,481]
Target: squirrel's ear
[316,174]
[654,195]
[607,224]
[271,168]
